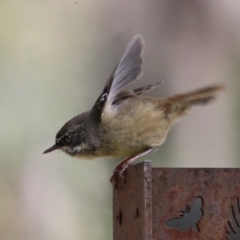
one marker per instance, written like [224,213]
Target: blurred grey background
[55,57]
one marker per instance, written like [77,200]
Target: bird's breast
[135,126]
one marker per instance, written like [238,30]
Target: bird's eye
[67,138]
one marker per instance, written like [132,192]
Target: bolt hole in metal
[119,217]
[137,214]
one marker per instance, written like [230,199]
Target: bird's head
[71,138]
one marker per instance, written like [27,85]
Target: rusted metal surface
[207,198]
[173,189]
[132,204]
[233,225]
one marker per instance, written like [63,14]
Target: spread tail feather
[177,105]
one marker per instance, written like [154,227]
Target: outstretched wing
[147,88]
[128,69]
[126,72]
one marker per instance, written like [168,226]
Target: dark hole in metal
[119,217]
[189,218]
[233,225]
[137,214]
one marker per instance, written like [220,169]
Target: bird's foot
[122,166]
[118,172]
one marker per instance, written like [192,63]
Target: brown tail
[177,105]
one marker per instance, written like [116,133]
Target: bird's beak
[54,147]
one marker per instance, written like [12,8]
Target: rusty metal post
[175,204]
[132,204]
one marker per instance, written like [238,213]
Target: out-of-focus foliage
[55,58]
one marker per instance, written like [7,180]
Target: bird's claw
[116,174]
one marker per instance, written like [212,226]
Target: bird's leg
[122,166]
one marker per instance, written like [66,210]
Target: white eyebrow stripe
[58,139]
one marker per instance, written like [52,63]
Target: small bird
[122,123]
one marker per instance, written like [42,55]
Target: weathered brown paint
[159,194]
